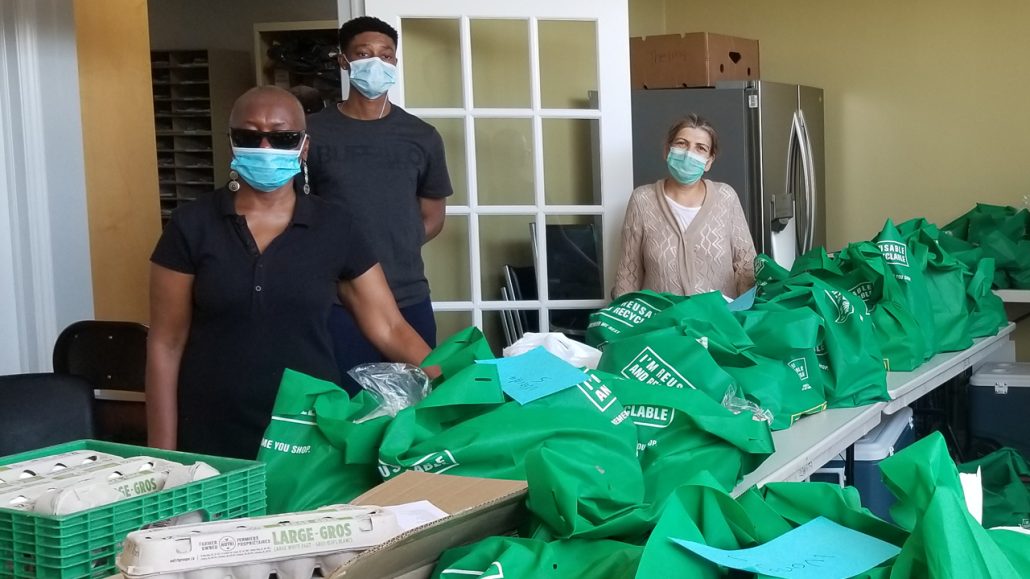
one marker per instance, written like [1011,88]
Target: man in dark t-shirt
[387,167]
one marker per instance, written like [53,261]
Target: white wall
[45,280]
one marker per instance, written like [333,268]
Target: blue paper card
[535,374]
[744,302]
[819,549]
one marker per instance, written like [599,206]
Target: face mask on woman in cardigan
[686,167]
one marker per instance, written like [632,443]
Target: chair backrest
[110,355]
[38,410]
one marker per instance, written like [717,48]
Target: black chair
[38,410]
[112,356]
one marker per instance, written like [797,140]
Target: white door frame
[614,128]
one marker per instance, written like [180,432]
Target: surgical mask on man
[685,166]
[372,76]
[266,169]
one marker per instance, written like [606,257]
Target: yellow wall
[925,99]
[118,141]
[646,17]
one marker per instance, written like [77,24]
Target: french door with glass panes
[532,100]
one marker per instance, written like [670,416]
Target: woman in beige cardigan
[684,234]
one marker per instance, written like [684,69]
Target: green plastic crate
[84,545]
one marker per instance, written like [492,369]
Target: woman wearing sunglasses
[242,282]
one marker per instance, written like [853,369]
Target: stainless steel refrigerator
[770,152]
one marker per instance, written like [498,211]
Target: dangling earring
[234,185]
[307,187]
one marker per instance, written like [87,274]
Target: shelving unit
[309,42]
[193,94]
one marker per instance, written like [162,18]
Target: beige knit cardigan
[714,253]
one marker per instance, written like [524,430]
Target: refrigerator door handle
[795,156]
[808,175]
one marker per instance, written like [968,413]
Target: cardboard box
[478,508]
[691,60]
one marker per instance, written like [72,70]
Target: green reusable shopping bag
[458,351]
[775,387]
[908,263]
[575,448]
[945,541]
[666,358]
[468,427]
[509,557]
[945,284]
[700,511]
[1006,485]
[849,355]
[768,271]
[986,310]
[963,251]
[315,451]
[682,431]
[624,315]
[791,337]
[898,331]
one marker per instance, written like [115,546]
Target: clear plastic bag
[737,404]
[395,386]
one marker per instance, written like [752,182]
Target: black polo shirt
[254,314]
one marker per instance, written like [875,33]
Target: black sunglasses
[250,139]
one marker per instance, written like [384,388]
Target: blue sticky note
[535,374]
[744,302]
[819,549]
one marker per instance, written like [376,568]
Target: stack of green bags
[996,232]
[600,458]
[919,298]
[935,533]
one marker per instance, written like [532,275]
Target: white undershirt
[685,215]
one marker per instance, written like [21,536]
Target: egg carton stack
[290,546]
[79,480]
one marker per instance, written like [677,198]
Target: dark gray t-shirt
[378,170]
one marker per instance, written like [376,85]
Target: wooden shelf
[193,93]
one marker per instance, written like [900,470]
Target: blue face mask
[685,166]
[372,77]
[266,169]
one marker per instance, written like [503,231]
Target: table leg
[849,466]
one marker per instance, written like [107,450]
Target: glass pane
[500,330]
[572,323]
[504,240]
[571,167]
[450,323]
[504,161]
[447,261]
[432,67]
[568,63]
[574,260]
[453,133]
[500,63]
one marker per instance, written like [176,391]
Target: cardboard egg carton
[291,545]
[105,481]
[21,471]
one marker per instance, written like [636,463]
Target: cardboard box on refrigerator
[477,508]
[694,59]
